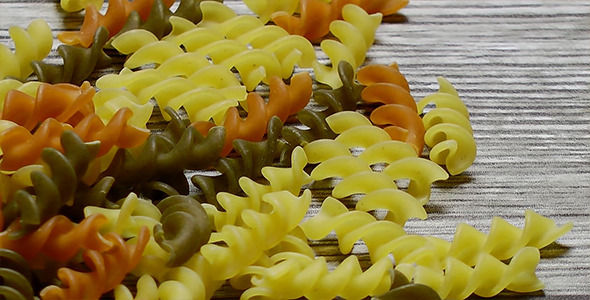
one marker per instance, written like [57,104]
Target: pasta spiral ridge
[58,238]
[165,156]
[66,103]
[33,43]
[260,231]
[284,100]
[21,148]
[504,239]
[189,281]
[487,279]
[63,189]
[15,275]
[158,20]
[316,15]
[355,132]
[184,228]
[351,226]
[78,62]
[7,85]
[252,157]
[355,34]
[293,276]
[398,115]
[231,206]
[107,269]
[179,224]
[222,26]
[76,5]
[265,8]
[343,98]
[112,21]
[448,129]
[109,101]
[181,79]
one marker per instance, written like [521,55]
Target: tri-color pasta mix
[192,167]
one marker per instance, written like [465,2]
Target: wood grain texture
[523,69]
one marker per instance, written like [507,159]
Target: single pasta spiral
[490,276]
[355,34]
[448,130]
[398,115]
[293,276]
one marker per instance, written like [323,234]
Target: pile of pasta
[192,168]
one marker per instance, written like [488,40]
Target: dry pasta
[113,20]
[293,276]
[253,156]
[33,43]
[448,130]
[241,30]
[344,98]
[15,275]
[336,160]
[78,62]
[158,21]
[315,16]
[107,270]
[356,34]
[68,152]
[398,115]
[76,5]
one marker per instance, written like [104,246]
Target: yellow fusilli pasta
[181,79]
[33,43]
[448,130]
[356,34]
[336,160]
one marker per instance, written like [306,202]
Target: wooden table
[523,69]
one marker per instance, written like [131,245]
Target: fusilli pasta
[448,130]
[33,43]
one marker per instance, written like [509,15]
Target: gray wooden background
[523,69]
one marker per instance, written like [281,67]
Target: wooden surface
[523,69]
